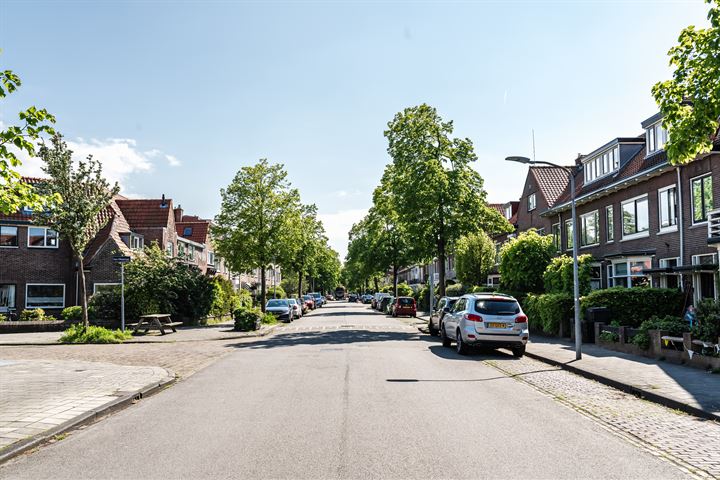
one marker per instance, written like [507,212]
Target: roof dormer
[655,134]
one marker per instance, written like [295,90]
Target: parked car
[486,319]
[297,308]
[377,298]
[367,298]
[352,298]
[281,308]
[309,301]
[329,297]
[404,306]
[319,299]
[385,303]
[438,312]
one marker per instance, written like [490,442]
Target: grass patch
[92,334]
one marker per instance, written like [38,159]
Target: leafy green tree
[306,242]
[359,261]
[440,197]
[14,193]
[474,258]
[558,276]
[325,272]
[85,193]
[523,261]
[690,102]
[253,229]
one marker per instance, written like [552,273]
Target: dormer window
[508,212]
[187,231]
[137,242]
[602,164]
[656,138]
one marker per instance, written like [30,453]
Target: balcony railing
[714,226]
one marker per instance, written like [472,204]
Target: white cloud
[119,157]
[337,226]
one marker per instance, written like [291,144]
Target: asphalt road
[344,393]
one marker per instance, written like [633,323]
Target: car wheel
[443,335]
[431,329]
[460,346]
[518,352]
[394,315]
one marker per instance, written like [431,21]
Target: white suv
[486,319]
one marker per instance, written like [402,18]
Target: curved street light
[576,284]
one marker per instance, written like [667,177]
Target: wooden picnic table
[156,321]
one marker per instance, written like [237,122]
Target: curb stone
[124,400]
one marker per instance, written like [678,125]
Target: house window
[702,197]
[181,249]
[704,280]
[105,287]
[602,165]
[187,231]
[595,276]
[169,249]
[669,280]
[609,223]
[656,138]
[635,217]
[43,295]
[508,212]
[629,273]
[137,242]
[568,234]
[8,236]
[211,259]
[668,213]
[589,229]
[556,236]
[493,280]
[7,296]
[532,203]
[42,237]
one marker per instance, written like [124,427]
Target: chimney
[178,213]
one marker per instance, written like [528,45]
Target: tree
[523,261]
[474,258]
[326,269]
[85,193]
[307,239]
[253,227]
[690,102]
[440,197]
[14,193]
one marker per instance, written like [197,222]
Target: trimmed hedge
[546,312]
[247,319]
[72,314]
[456,290]
[632,306]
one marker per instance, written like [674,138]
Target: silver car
[486,319]
[281,308]
[297,309]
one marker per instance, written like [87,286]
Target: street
[349,393]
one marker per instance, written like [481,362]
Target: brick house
[644,221]
[195,243]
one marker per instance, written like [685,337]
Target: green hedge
[92,334]
[456,290]
[247,319]
[707,327]
[72,314]
[674,326]
[546,312]
[632,306]
[558,276]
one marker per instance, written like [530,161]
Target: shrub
[92,334]
[456,290]
[268,319]
[482,289]
[276,292]
[247,319]
[674,326]
[72,314]
[404,290]
[35,315]
[609,337]
[225,298]
[523,261]
[474,257]
[546,312]
[105,305]
[707,327]
[632,306]
[558,276]
[422,298]
[3,318]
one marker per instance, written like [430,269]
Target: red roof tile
[198,230]
[146,213]
[551,181]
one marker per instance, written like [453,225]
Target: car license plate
[496,325]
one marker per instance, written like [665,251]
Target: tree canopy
[474,258]
[690,101]
[523,261]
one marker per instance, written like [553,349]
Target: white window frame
[27,288]
[12,298]
[602,164]
[508,212]
[490,279]
[100,284]
[17,236]
[692,202]
[696,258]
[609,229]
[569,236]
[532,202]
[643,233]
[673,226]
[57,244]
[558,244]
[663,263]
[139,238]
[597,265]
[596,215]
[628,278]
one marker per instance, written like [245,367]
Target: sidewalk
[40,399]
[684,388]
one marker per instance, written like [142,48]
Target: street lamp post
[576,282]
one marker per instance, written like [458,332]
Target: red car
[309,301]
[404,306]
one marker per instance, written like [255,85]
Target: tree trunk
[83,294]
[441,259]
[377,287]
[300,278]
[395,276]
[263,290]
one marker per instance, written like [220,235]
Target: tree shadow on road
[342,336]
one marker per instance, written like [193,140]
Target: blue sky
[175,97]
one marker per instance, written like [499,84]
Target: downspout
[680,220]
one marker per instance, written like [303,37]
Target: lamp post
[576,283]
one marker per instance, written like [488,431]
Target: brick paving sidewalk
[39,395]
